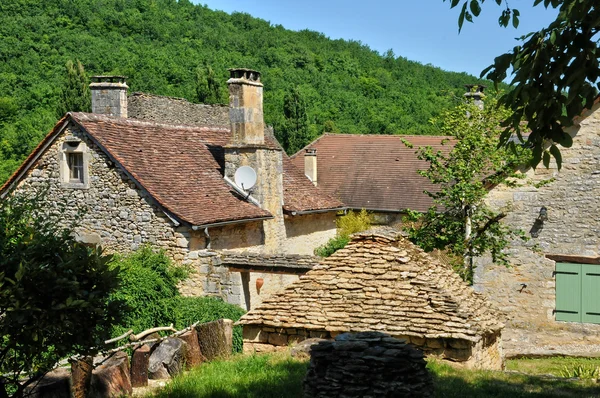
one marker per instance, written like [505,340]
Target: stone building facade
[169,183]
[381,282]
[558,210]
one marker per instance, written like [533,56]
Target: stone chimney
[475,93]
[109,95]
[310,165]
[246,107]
[248,147]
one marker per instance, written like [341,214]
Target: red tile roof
[376,172]
[181,167]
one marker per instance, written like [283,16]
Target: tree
[54,294]
[556,73]
[460,222]
[75,92]
[296,121]
[208,88]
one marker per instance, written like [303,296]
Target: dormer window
[73,159]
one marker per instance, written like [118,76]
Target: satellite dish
[245,177]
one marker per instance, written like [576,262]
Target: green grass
[254,376]
[278,375]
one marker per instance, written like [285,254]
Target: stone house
[551,291]
[373,172]
[162,171]
[381,282]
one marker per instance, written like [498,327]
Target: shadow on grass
[499,384]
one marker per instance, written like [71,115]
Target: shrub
[149,288]
[585,372]
[347,225]
[206,309]
[53,293]
[353,222]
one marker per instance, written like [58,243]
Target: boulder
[167,360]
[111,379]
[302,349]
[216,338]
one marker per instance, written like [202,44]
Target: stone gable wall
[525,292]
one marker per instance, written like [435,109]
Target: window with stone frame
[73,159]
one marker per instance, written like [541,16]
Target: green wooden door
[590,293]
[568,292]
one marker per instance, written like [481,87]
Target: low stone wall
[484,354]
[368,364]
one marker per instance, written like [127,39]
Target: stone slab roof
[380,282]
[181,167]
[375,172]
[276,263]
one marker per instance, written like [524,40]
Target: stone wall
[113,211]
[368,364]
[525,292]
[176,111]
[484,354]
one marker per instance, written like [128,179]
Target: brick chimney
[246,107]
[310,165]
[475,93]
[109,95]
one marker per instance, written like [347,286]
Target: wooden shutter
[590,289]
[568,292]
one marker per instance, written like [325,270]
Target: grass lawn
[278,375]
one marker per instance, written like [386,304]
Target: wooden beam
[565,258]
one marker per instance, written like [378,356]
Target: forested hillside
[175,48]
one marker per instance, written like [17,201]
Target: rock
[139,366]
[111,379]
[302,349]
[167,360]
[216,338]
[55,384]
[193,356]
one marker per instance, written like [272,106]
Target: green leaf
[475,7]
[553,37]
[515,21]
[546,159]
[454,3]
[557,155]
[461,17]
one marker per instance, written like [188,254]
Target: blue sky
[420,30]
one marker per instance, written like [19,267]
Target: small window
[75,161]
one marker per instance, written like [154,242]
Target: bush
[347,225]
[53,295]
[352,222]
[149,288]
[206,309]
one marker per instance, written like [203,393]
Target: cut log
[193,355]
[81,377]
[167,360]
[139,366]
[216,338]
[112,379]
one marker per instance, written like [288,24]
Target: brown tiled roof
[181,168]
[380,283]
[377,172]
[174,164]
[300,195]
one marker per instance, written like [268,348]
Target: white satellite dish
[245,177]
